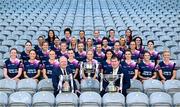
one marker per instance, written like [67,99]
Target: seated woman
[73,64]
[167,68]
[13,67]
[93,62]
[32,67]
[25,54]
[130,66]
[147,68]
[49,65]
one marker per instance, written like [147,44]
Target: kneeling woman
[147,68]
[32,67]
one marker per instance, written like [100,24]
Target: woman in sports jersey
[32,67]
[13,67]
[129,65]
[49,65]
[117,50]
[135,53]
[43,54]
[167,68]
[147,69]
[25,54]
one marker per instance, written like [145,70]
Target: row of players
[33,68]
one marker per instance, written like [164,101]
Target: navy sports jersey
[43,56]
[130,68]
[104,49]
[107,67]
[154,56]
[73,65]
[99,57]
[135,55]
[31,69]
[51,43]
[97,41]
[80,56]
[146,70]
[141,49]
[111,42]
[67,40]
[123,49]
[12,67]
[119,54]
[167,69]
[56,49]
[82,41]
[24,56]
[49,67]
[37,48]
[59,54]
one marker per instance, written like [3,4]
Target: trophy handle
[60,83]
[72,85]
[121,81]
[101,81]
[97,66]
[81,70]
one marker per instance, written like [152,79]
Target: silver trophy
[66,83]
[112,79]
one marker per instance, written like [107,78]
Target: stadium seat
[176,99]
[3,99]
[151,86]
[45,85]
[136,86]
[90,99]
[113,99]
[27,85]
[43,98]
[172,86]
[90,85]
[137,99]
[67,99]
[20,99]
[159,99]
[7,85]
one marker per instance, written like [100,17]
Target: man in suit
[63,69]
[117,70]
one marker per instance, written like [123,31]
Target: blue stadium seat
[3,99]
[113,99]
[7,85]
[67,99]
[136,86]
[172,86]
[176,99]
[45,85]
[20,99]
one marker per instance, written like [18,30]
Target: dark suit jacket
[126,81]
[55,78]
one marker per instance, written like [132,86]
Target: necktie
[64,72]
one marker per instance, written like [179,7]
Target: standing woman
[123,45]
[130,66]
[128,36]
[51,38]
[25,54]
[73,64]
[57,45]
[167,68]
[89,44]
[135,53]
[43,54]
[139,44]
[97,39]
[49,65]
[40,43]
[111,37]
[105,46]
[13,67]
[119,54]
[82,37]
[106,63]
[73,44]
[33,67]
[147,68]
[155,56]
